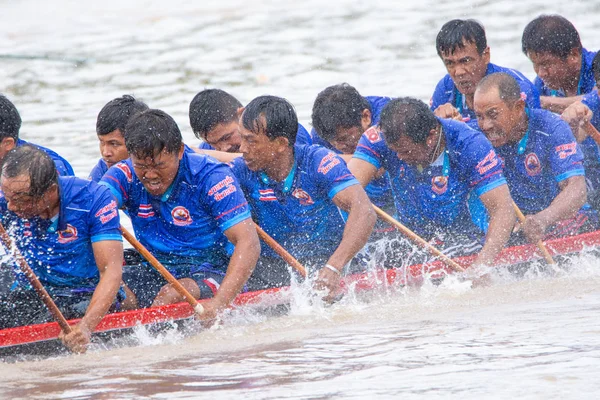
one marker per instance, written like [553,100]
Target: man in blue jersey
[10,125]
[214,118]
[462,46]
[68,231]
[295,192]
[563,66]
[584,118]
[543,164]
[188,211]
[435,165]
[110,125]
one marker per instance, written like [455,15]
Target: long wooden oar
[35,282]
[418,239]
[162,270]
[287,257]
[541,246]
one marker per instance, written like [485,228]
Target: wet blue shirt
[435,198]
[299,212]
[545,156]
[59,250]
[446,92]
[185,225]
[62,166]
[586,78]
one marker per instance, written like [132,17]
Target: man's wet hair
[407,116]
[271,116]
[150,132]
[509,90]
[338,107]
[551,34]
[117,112]
[210,108]
[28,160]
[458,32]
[596,67]
[10,120]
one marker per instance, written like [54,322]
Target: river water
[535,337]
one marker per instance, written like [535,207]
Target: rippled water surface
[532,338]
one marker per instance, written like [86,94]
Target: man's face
[497,119]
[555,71]
[259,151]
[16,192]
[112,147]
[466,66]
[158,172]
[346,139]
[225,137]
[410,152]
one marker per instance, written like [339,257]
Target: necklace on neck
[437,146]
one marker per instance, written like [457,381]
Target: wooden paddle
[418,239]
[541,246]
[162,270]
[287,257]
[35,282]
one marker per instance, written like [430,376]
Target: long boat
[44,337]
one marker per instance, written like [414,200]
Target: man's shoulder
[518,75]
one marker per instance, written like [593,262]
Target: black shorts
[145,282]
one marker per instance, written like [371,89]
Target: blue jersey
[446,92]
[299,212]
[302,137]
[62,166]
[98,171]
[379,189]
[586,78]
[546,155]
[435,198]
[59,250]
[185,225]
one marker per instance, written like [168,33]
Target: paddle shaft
[35,282]
[541,246]
[287,257]
[162,270]
[418,239]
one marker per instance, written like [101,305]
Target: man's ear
[366,119]
[486,55]
[7,144]
[282,141]
[239,112]
[181,151]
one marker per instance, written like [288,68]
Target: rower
[295,192]
[214,118]
[110,125]
[462,46]
[435,164]
[542,161]
[10,125]
[67,229]
[563,66]
[188,211]
[584,118]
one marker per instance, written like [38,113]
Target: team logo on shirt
[439,184]
[266,195]
[181,216]
[372,134]
[304,197]
[126,170]
[107,212]
[532,164]
[67,235]
[566,150]
[145,211]
[488,162]
[327,163]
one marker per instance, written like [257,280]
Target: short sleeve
[566,157]
[330,172]
[205,146]
[224,197]
[441,94]
[118,179]
[104,216]
[303,137]
[483,167]
[372,148]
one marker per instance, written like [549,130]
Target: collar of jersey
[287,183]
[523,142]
